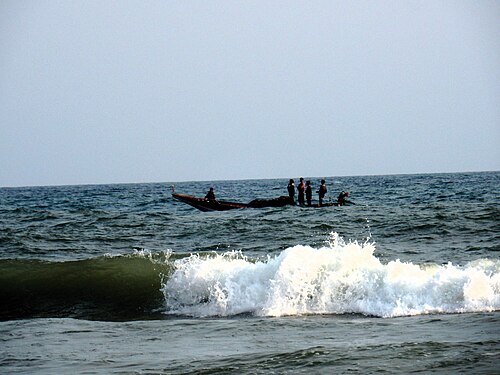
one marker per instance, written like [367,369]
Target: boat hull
[204,204]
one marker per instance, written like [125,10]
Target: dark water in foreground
[123,279]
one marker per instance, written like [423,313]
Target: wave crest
[338,278]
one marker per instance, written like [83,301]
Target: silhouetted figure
[301,189]
[291,190]
[309,192]
[342,199]
[322,191]
[210,195]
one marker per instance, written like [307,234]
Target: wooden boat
[204,204]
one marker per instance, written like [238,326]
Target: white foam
[335,279]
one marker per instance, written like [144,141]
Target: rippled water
[159,287]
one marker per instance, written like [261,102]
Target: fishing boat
[204,204]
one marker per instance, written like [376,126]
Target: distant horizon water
[243,179]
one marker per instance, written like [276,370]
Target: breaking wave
[338,278]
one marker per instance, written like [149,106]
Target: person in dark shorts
[322,191]
[309,193]
[291,190]
[301,189]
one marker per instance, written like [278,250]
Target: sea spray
[338,278]
[217,284]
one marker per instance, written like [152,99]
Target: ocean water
[124,279]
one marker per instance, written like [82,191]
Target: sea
[123,279]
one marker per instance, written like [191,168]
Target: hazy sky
[153,91]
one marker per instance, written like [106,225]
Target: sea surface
[101,279]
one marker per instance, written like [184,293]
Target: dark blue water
[122,278]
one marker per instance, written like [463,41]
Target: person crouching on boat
[342,199]
[210,195]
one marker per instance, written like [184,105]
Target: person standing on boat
[322,191]
[291,191]
[301,189]
[309,192]
[210,195]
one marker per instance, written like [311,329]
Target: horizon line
[238,179]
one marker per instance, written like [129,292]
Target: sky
[95,92]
